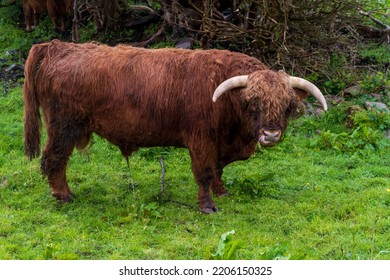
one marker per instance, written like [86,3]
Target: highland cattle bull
[218,104]
[57,10]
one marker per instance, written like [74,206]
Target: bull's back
[124,94]
[151,82]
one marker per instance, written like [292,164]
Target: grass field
[303,199]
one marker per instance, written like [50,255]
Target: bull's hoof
[209,209]
[63,198]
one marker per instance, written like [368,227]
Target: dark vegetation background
[327,41]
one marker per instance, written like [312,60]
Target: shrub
[366,134]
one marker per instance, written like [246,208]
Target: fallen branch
[75,26]
[151,39]
[377,21]
[141,8]
[162,174]
[181,203]
[1,199]
[372,32]
[144,20]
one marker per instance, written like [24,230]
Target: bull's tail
[32,118]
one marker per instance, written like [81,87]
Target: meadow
[298,200]
[323,193]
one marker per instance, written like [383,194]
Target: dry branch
[371,32]
[377,21]
[299,35]
[75,25]
[162,174]
[284,33]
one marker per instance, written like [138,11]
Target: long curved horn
[310,88]
[235,82]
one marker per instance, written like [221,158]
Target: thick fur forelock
[275,95]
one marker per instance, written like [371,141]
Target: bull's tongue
[262,140]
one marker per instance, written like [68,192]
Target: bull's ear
[301,94]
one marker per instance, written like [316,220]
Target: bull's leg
[54,161]
[36,19]
[63,20]
[59,186]
[28,17]
[203,171]
[217,185]
[203,178]
[54,20]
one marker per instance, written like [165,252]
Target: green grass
[318,202]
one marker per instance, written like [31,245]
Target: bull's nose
[269,137]
[272,136]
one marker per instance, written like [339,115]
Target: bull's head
[275,96]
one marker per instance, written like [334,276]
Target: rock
[351,111]
[14,72]
[14,67]
[353,90]
[11,53]
[307,108]
[319,112]
[378,97]
[185,43]
[335,100]
[378,106]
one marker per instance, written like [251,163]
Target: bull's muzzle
[269,137]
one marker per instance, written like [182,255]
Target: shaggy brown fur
[143,98]
[57,9]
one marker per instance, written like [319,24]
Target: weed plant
[366,134]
